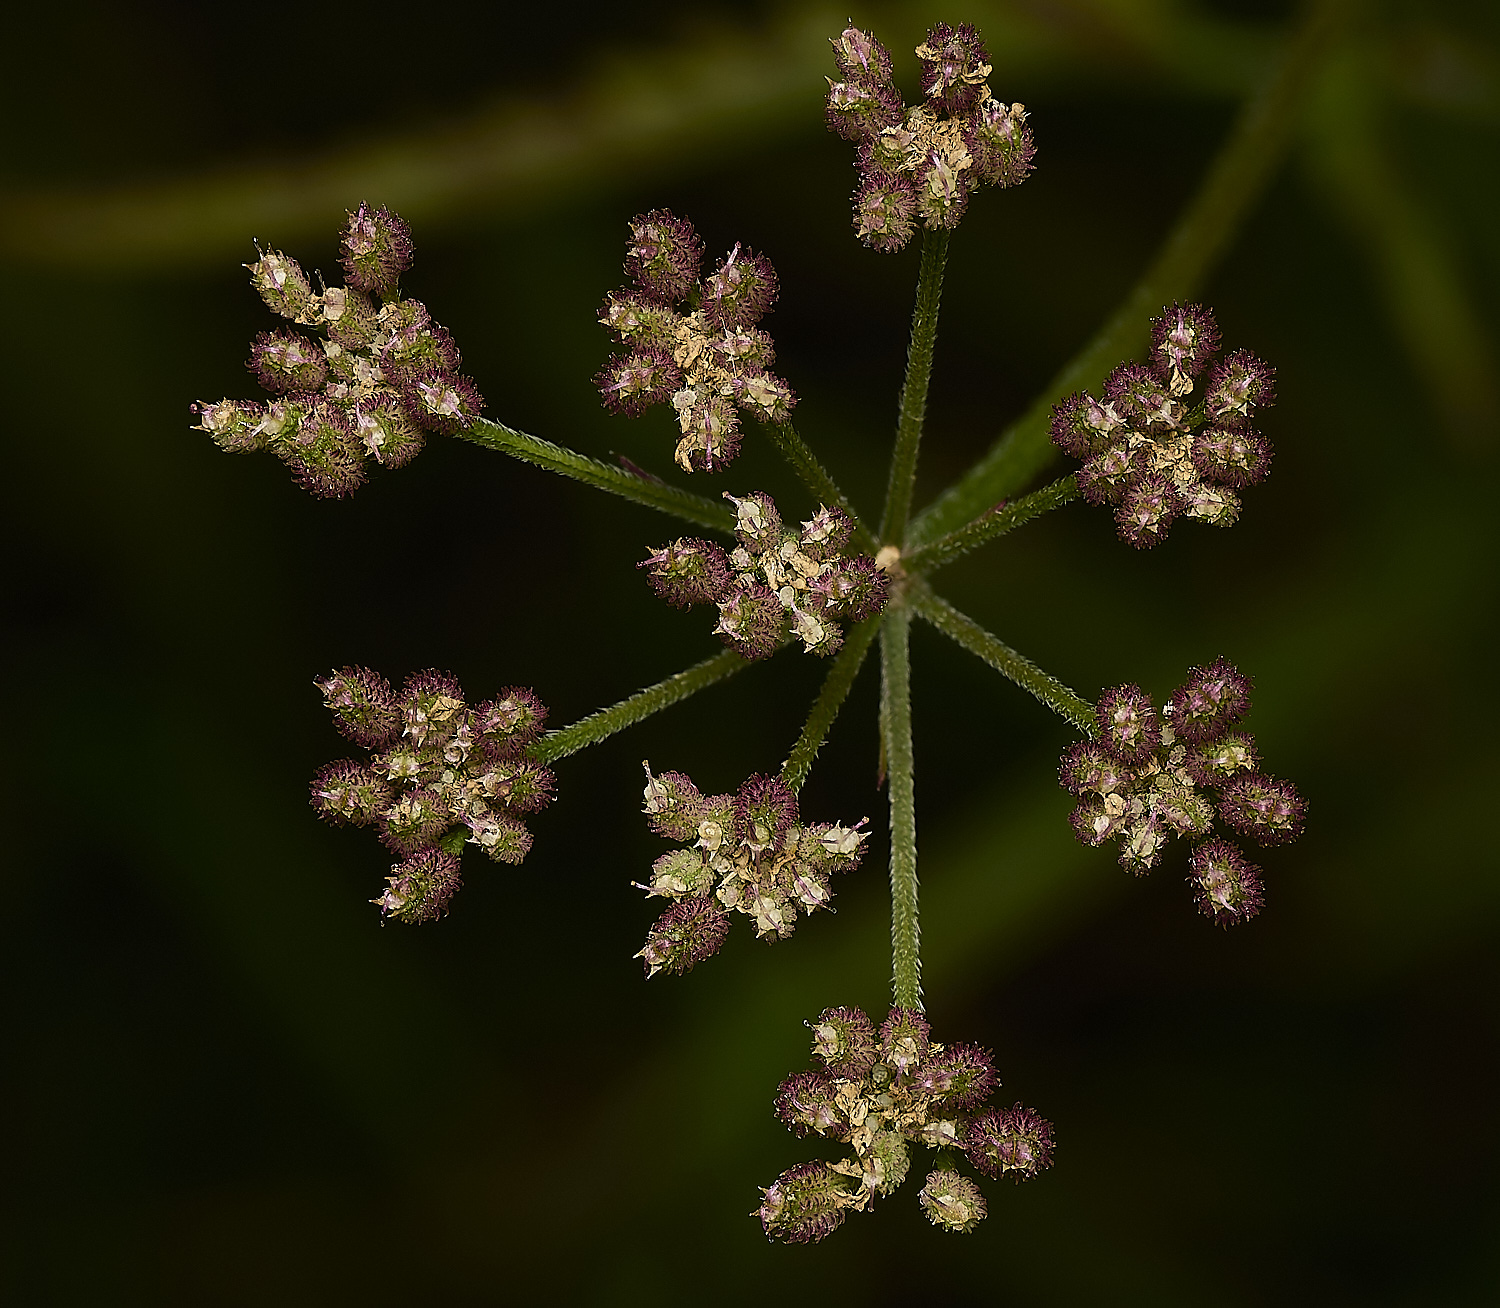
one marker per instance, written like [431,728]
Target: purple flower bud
[752,621]
[385,431]
[1083,427]
[1001,144]
[441,401]
[959,1078]
[904,1040]
[663,255]
[804,1203]
[1141,398]
[411,343]
[287,361]
[510,721]
[640,321]
[1183,340]
[1263,807]
[1230,456]
[1013,1142]
[688,571]
[859,54]
[351,319]
[414,820]
[1226,885]
[1088,766]
[1213,762]
[1147,510]
[1239,384]
[501,836]
[952,1201]
[363,705]
[710,427]
[517,785]
[1128,725]
[764,811]
[376,249]
[1210,701]
[323,453]
[825,534]
[859,108]
[764,395]
[740,291]
[758,527]
[1105,477]
[631,383]
[744,350]
[805,1102]
[885,209]
[687,933]
[844,1038]
[281,283]
[347,791]
[854,588]
[235,425]
[421,887]
[954,66]
[1099,818]
[942,192]
[674,805]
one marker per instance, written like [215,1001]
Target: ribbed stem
[924,321]
[990,525]
[1201,235]
[815,477]
[994,651]
[895,699]
[558,458]
[825,709]
[603,724]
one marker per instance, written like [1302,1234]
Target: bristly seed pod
[687,933]
[1270,810]
[844,1038]
[1128,725]
[663,256]
[1226,885]
[281,283]
[1238,385]
[421,888]
[1183,340]
[952,1201]
[805,1102]
[375,250]
[954,66]
[804,1204]
[1014,1142]
[1211,701]
[904,1040]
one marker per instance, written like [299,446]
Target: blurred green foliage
[226,1084]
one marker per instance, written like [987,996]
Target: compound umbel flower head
[881,1097]
[1146,778]
[922,163]
[366,383]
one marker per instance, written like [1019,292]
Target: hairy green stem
[1243,167]
[636,708]
[895,701]
[558,458]
[830,700]
[815,477]
[924,320]
[990,525]
[994,651]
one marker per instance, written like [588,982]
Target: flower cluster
[1149,454]
[369,386]
[752,855]
[439,773]
[775,581]
[1145,778]
[693,344]
[920,164]
[880,1092]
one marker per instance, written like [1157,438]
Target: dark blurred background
[226,1083]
